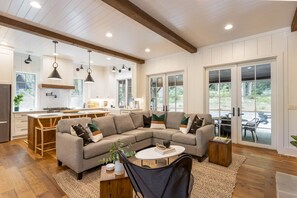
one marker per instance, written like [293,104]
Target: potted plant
[294,143]
[114,157]
[17,101]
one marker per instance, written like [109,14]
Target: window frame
[126,94]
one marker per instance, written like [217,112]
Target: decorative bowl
[110,167]
[166,143]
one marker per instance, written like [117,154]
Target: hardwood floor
[25,174]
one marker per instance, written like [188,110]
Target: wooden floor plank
[32,176]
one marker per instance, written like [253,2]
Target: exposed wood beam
[134,12]
[43,32]
[294,22]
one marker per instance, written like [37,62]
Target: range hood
[52,86]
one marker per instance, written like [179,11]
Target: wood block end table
[114,186]
[220,152]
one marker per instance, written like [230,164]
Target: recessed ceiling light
[228,27]
[108,34]
[55,54]
[108,58]
[3,43]
[91,62]
[35,4]
[147,50]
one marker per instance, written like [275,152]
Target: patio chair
[251,126]
[174,180]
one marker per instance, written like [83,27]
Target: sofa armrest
[69,150]
[203,135]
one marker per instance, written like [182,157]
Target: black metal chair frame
[252,125]
[184,161]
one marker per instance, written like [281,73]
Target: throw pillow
[94,132]
[147,121]
[72,131]
[185,125]
[82,133]
[158,122]
[196,124]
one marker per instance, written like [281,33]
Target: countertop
[40,110]
[60,114]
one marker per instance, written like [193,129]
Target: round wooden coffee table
[151,154]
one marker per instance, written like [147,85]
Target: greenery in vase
[113,152]
[294,143]
[18,99]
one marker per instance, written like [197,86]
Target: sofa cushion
[137,118]
[158,122]
[140,134]
[123,123]
[106,125]
[173,119]
[64,125]
[165,134]
[98,148]
[180,137]
[125,139]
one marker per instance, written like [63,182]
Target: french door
[240,101]
[167,92]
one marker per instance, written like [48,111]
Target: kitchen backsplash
[54,98]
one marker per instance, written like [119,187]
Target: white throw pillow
[185,125]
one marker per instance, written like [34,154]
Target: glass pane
[179,98]
[214,103]
[153,82]
[263,95]
[213,89]
[171,98]
[225,123]
[179,80]
[225,75]
[248,96]
[213,76]
[160,82]
[171,80]
[26,85]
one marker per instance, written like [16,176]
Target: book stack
[221,139]
[164,151]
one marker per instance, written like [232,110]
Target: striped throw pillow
[158,122]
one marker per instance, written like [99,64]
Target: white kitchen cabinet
[20,125]
[6,65]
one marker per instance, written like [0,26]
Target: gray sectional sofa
[129,129]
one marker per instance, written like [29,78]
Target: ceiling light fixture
[35,4]
[89,78]
[79,68]
[28,60]
[55,54]
[228,27]
[3,43]
[55,75]
[108,35]
[108,58]
[124,67]
[147,50]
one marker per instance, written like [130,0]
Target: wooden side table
[114,186]
[220,152]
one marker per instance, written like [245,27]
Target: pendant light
[89,78]
[55,75]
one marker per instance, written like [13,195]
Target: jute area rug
[210,180]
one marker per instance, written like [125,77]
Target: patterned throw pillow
[94,132]
[158,122]
[147,121]
[83,133]
[185,125]
[196,124]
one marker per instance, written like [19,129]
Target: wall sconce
[124,67]
[28,60]
[79,68]
[114,69]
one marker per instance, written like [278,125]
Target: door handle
[233,111]
[3,122]
[166,108]
[238,112]
[163,108]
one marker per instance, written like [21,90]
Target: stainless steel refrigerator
[5,112]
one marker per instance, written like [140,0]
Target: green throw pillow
[185,125]
[158,122]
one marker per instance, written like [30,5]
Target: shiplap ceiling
[200,22]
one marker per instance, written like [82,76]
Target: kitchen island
[44,119]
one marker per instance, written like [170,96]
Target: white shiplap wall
[268,45]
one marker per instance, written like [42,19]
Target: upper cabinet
[65,69]
[6,65]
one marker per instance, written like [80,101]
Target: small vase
[119,168]
[16,108]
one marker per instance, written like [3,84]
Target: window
[26,85]
[77,93]
[124,93]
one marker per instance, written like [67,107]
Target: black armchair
[174,180]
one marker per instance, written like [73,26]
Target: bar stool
[47,126]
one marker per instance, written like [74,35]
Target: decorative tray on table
[163,150]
